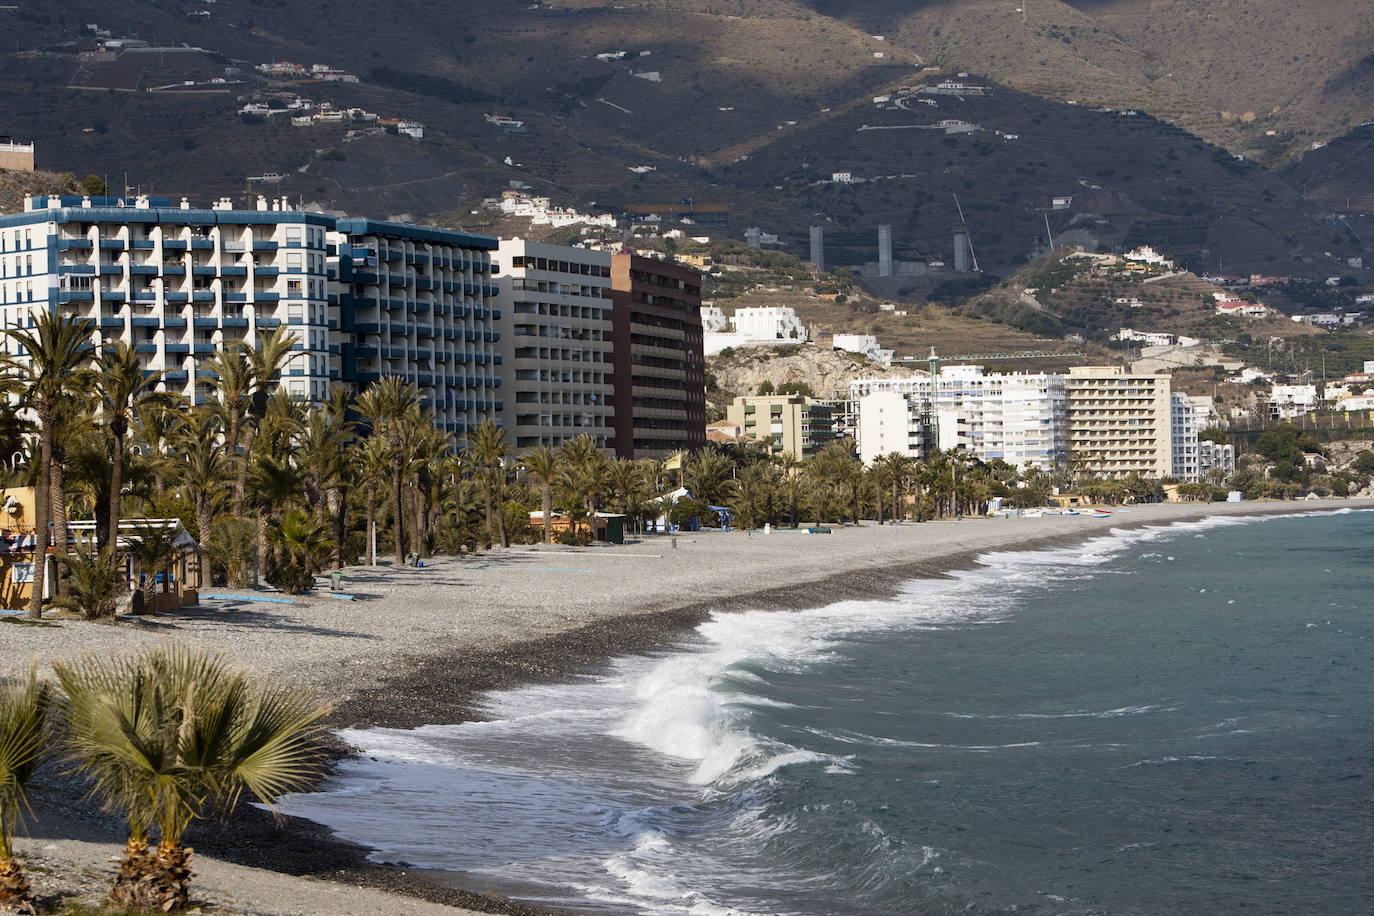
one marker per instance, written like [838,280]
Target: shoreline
[445,683]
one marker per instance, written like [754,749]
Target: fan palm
[24,708]
[170,731]
[96,583]
[57,352]
[304,539]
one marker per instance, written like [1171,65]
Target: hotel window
[293,235]
[293,287]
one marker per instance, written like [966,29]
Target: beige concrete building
[557,359]
[1119,424]
[16,156]
[789,423]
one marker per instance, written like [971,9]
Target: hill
[15,186]
[735,111]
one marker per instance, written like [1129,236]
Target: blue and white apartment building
[363,298]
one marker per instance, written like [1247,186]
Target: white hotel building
[362,298]
[1019,418]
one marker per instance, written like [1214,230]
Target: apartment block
[363,299]
[659,366]
[787,424]
[1119,424]
[1184,438]
[1019,419]
[419,303]
[557,373]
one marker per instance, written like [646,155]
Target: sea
[1171,719]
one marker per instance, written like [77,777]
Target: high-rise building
[660,372]
[418,302]
[1186,466]
[362,298]
[1019,419]
[558,372]
[1120,424]
[794,424]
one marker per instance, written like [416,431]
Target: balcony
[264,245]
[230,321]
[144,270]
[142,244]
[176,349]
[207,322]
[204,349]
[202,244]
[173,245]
[73,244]
[170,322]
[266,297]
[233,270]
[173,270]
[266,271]
[145,347]
[75,295]
[111,321]
[112,244]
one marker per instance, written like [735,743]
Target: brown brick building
[659,367]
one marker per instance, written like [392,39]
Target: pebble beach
[418,646]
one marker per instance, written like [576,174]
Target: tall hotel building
[1120,424]
[557,346]
[364,299]
[660,372]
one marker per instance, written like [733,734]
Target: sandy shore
[421,646]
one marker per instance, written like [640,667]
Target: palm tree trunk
[371,528]
[203,524]
[240,462]
[264,549]
[546,503]
[398,516]
[40,518]
[487,498]
[500,509]
[878,495]
[116,496]
[336,506]
[57,493]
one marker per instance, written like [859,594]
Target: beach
[421,646]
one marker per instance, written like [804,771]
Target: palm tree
[24,708]
[264,360]
[57,351]
[202,469]
[372,468]
[384,406]
[275,485]
[541,462]
[121,387]
[153,548]
[234,381]
[170,731]
[304,538]
[96,583]
[489,446]
[324,456]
